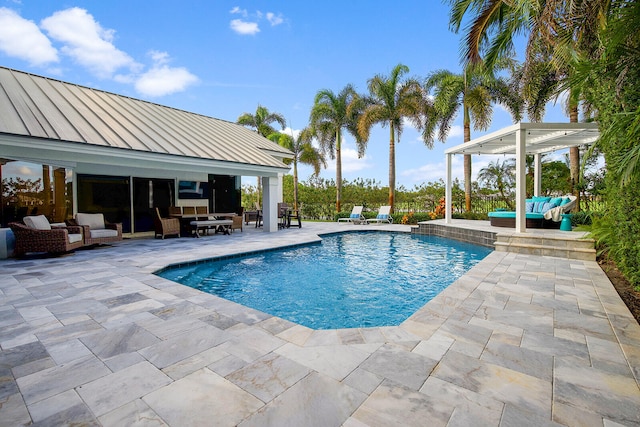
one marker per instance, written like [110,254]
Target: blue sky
[223,58]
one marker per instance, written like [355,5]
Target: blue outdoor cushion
[540,199]
[355,216]
[565,201]
[556,200]
[538,203]
[529,207]
[546,206]
[382,216]
[511,214]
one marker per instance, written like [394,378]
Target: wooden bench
[222,225]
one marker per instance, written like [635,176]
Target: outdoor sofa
[541,212]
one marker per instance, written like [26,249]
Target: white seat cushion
[94,221]
[75,238]
[38,222]
[105,232]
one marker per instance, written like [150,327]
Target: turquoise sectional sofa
[536,207]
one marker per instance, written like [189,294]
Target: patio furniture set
[195,221]
[37,234]
[541,212]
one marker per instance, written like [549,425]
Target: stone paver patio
[94,338]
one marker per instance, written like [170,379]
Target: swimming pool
[349,280]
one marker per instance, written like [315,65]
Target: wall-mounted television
[193,190]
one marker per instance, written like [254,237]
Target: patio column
[280,187]
[521,180]
[447,190]
[537,175]
[270,199]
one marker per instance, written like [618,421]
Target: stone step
[547,241]
[573,252]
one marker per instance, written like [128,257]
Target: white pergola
[519,140]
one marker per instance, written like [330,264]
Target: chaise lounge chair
[384,215]
[356,216]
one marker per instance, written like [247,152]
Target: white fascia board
[43,150]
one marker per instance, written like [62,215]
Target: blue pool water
[350,280]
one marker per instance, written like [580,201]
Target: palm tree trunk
[467,162]
[574,160]
[338,171]
[295,185]
[392,166]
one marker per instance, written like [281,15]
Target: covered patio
[522,139]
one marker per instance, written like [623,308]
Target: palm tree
[330,115]
[391,101]
[261,122]
[303,152]
[565,28]
[473,91]
[501,177]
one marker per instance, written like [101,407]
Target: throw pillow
[529,207]
[37,222]
[556,200]
[546,206]
[94,221]
[540,199]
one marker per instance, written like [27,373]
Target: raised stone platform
[562,244]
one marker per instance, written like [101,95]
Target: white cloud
[243,27]
[87,42]
[162,79]
[20,38]
[274,19]
[350,161]
[237,11]
[293,132]
[249,24]
[432,172]
[22,169]
[456,131]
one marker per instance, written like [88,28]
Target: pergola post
[448,211]
[521,181]
[537,175]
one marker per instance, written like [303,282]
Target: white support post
[521,181]
[537,175]
[448,190]
[280,187]
[270,199]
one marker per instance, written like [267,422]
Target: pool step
[571,248]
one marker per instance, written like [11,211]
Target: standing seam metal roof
[37,106]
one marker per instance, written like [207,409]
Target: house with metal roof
[124,157]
